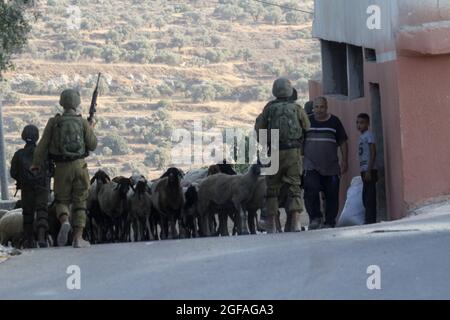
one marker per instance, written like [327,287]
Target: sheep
[97,219]
[168,201]
[140,202]
[112,199]
[3,212]
[11,228]
[193,176]
[255,203]
[189,217]
[224,193]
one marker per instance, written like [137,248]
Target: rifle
[93,107]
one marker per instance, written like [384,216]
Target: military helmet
[70,99]
[282,88]
[30,134]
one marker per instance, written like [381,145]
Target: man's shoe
[63,234]
[314,224]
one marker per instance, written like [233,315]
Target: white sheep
[11,228]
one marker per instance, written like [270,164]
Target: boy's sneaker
[63,234]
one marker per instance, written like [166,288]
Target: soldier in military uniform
[35,189]
[291,120]
[67,139]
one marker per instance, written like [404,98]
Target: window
[370,54]
[334,64]
[355,76]
[342,69]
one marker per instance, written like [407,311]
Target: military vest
[67,142]
[283,116]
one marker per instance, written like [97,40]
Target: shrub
[117,144]
[106,151]
[260,93]
[150,92]
[164,104]
[274,16]
[203,93]
[168,58]
[165,90]
[159,158]
[111,54]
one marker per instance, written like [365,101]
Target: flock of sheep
[176,205]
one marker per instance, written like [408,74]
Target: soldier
[35,189]
[291,120]
[67,139]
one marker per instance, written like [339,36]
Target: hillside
[165,64]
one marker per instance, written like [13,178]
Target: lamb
[226,193]
[168,201]
[140,202]
[11,228]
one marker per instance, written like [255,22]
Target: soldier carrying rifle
[67,140]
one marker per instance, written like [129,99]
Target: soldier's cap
[30,134]
[282,88]
[70,99]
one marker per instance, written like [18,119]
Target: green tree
[14,29]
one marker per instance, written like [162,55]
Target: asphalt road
[412,255]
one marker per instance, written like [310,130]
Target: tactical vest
[283,115]
[67,143]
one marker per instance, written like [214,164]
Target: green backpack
[284,117]
[68,138]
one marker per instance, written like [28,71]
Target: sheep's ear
[93,179]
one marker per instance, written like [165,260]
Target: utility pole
[3,171]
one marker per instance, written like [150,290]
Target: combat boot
[287,226]
[42,238]
[295,225]
[78,241]
[28,237]
[63,234]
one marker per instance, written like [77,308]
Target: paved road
[412,254]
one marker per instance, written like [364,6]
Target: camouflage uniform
[71,180]
[35,188]
[290,161]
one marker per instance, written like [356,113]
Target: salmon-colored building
[391,59]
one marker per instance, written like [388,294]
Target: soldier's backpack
[284,116]
[26,176]
[68,138]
